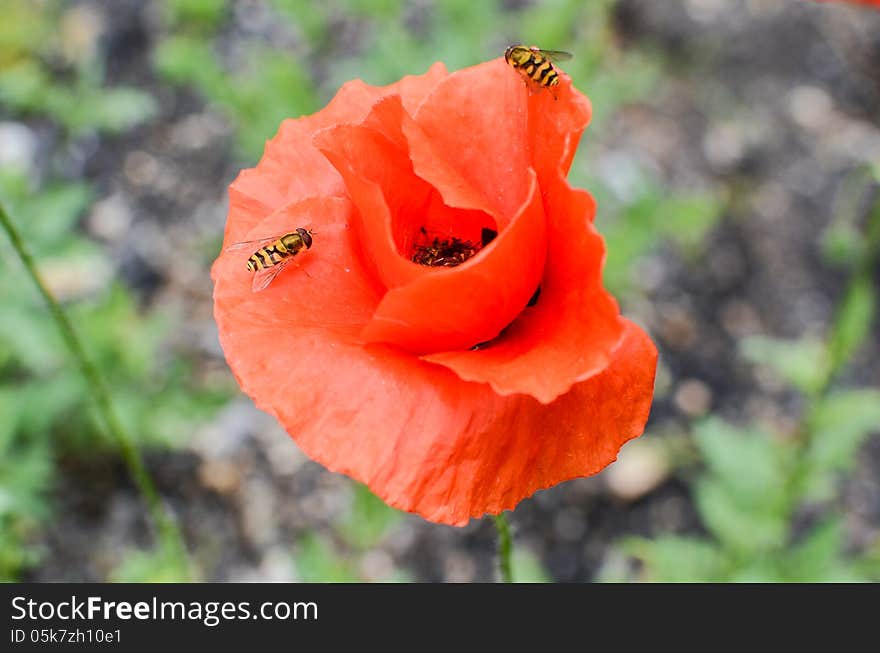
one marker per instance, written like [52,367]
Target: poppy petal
[460,307]
[418,436]
[568,335]
[556,121]
[379,179]
[476,120]
[432,309]
[391,119]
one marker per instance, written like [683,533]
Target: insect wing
[556,55]
[265,276]
[253,244]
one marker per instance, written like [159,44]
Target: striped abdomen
[534,64]
[277,251]
[541,70]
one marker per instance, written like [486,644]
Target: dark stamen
[444,253]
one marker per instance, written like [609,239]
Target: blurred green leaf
[34,343]
[527,568]
[634,225]
[112,109]
[743,497]
[368,519]
[26,29]
[817,558]
[853,322]
[268,88]
[26,468]
[25,475]
[688,218]
[748,464]
[550,25]
[740,526]
[203,14]
[317,562]
[802,363]
[9,412]
[159,565]
[16,552]
[373,8]
[312,18]
[674,559]
[53,399]
[274,88]
[840,423]
[867,566]
[188,60]
[23,85]
[757,569]
[842,243]
[26,87]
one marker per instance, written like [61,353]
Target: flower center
[448,252]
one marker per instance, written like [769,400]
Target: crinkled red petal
[568,335]
[421,438]
[433,309]
[476,121]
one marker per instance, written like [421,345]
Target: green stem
[505,546]
[169,533]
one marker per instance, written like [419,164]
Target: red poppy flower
[441,386]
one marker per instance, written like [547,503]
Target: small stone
[650,273]
[677,326]
[727,266]
[110,218]
[220,475]
[79,30]
[376,566]
[569,524]
[724,145]
[705,11]
[810,107]
[197,130]
[772,201]
[641,466]
[459,568]
[620,171]
[70,279]
[277,566]
[739,319]
[258,512]
[18,146]
[141,168]
[400,540]
[669,514]
[693,398]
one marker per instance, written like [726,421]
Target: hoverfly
[535,64]
[273,255]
